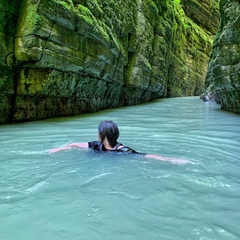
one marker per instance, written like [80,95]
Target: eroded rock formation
[223,78]
[61,58]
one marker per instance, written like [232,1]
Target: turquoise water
[79,194]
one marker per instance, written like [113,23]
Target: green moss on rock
[29,15]
[91,24]
[223,78]
[80,56]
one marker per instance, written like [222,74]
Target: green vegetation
[85,13]
[95,26]
[94,7]
[65,4]
[29,20]
[8,19]
[6,86]
[32,18]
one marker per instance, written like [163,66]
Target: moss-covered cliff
[223,78]
[8,20]
[69,57]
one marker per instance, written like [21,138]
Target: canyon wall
[223,77]
[62,58]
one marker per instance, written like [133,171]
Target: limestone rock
[68,57]
[223,77]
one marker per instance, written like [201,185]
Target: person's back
[108,134]
[118,148]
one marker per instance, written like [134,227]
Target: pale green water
[79,194]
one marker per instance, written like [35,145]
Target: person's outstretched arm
[72,145]
[173,160]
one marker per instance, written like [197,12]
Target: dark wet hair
[108,129]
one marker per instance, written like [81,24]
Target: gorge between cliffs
[64,58]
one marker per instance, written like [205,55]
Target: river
[80,194]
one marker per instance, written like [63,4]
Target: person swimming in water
[108,134]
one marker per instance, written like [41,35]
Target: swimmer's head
[108,129]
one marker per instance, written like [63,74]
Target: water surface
[79,194]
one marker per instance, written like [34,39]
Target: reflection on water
[79,194]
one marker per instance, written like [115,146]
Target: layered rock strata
[62,58]
[223,77]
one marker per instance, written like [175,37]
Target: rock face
[62,58]
[223,77]
[8,20]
